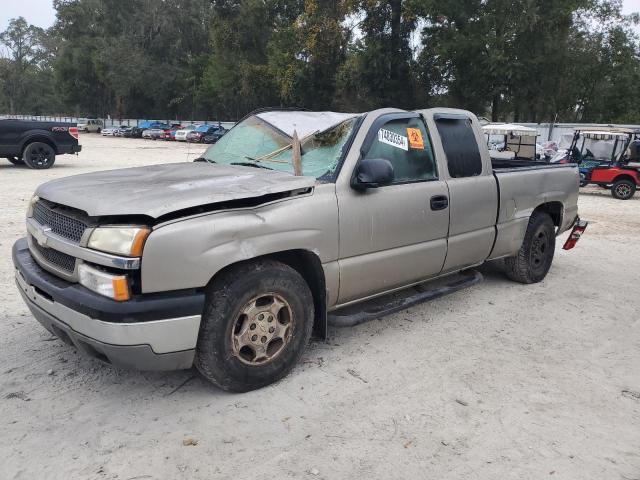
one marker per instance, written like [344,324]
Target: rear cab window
[460,145]
[406,144]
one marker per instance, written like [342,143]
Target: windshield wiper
[249,164]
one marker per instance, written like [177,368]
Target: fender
[187,253]
[38,135]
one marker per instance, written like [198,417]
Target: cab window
[405,143]
[460,146]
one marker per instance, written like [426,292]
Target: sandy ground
[500,381]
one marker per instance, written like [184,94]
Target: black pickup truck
[36,144]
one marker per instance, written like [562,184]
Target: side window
[460,146]
[405,143]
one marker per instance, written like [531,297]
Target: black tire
[98,130]
[623,189]
[39,155]
[217,356]
[535,256]
[16,160]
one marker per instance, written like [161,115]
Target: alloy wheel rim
[40,156]
[623,190]
[262,329]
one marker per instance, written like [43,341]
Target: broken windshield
[256,142]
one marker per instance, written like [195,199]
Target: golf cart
[507,142]
[607,157]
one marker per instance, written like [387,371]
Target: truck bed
[522,186]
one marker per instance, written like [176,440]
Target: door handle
[439,202]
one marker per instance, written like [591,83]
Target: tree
[23,45]
[379,70]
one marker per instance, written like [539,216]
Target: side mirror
[372,173]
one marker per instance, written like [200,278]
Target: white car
[109,132]
[181,135]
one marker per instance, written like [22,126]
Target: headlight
[127,241]
[32,204]
[112,286]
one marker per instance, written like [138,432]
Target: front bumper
[149,332]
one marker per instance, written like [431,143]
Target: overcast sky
[42,14]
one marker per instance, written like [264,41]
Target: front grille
[60,224]
[56,258]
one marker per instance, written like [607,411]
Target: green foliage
[521,60]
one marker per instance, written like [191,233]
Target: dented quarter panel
[189,252]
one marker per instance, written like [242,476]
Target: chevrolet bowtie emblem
[41,235]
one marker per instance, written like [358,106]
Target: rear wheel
[16,160]
[623,189]
[257,321]
[535,256]
[39,155]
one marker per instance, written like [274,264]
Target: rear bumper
[73,148]
[149,333]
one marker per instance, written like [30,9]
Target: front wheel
[535,256]
[16,160]
[39,155]
[623,189]
[257,321]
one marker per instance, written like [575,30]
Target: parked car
[181,135]
[155,131]
[137,131]
[229,263]
[170,133]
[125,132]
[90,125]
[197,135]
[215,135]
[109,132]
[36,144]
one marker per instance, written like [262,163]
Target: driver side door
[394,235]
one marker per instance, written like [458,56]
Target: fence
[111,122]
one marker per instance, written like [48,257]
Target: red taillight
[576,233]
[73,131]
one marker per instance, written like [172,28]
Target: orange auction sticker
[415,138]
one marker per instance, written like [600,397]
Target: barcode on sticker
[393,139]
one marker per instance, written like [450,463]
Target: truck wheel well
[309,266]
[553,209]
[38,139]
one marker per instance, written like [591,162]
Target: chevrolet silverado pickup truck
[230,263]
[36,144]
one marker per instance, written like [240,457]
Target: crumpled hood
[156,190]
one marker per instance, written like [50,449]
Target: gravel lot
[499,381]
